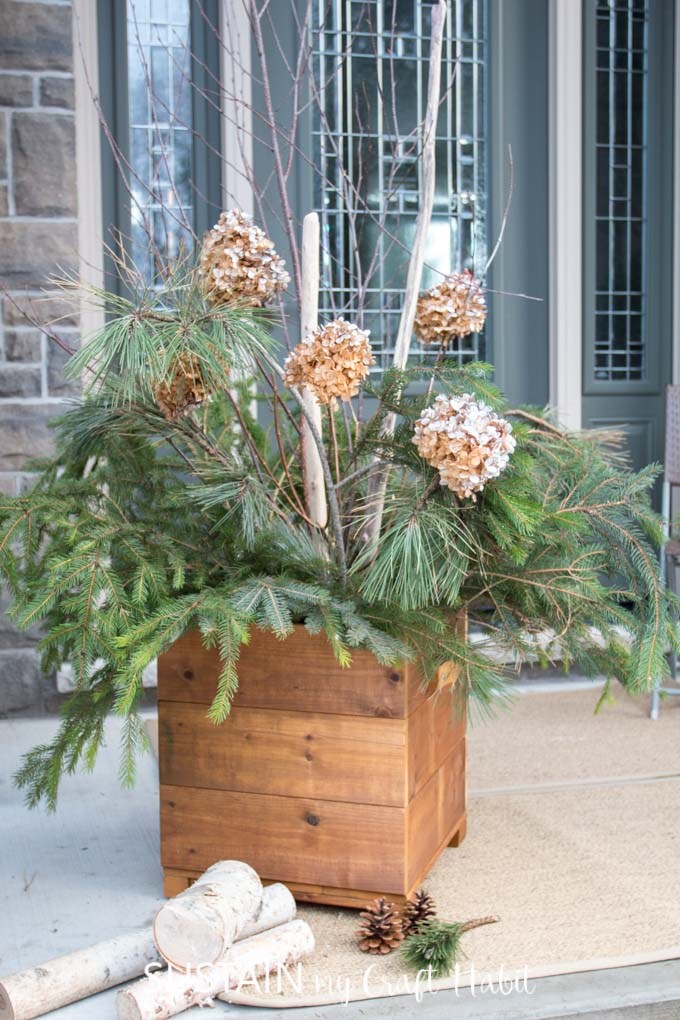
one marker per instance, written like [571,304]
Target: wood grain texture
[338,782]
[174,884]
[460,833]
[300,672]
[290,839]
[310,893]
[294,754]
[434,814]
[433,731]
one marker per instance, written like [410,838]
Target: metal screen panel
[370,70]
[160,118]
[620,344]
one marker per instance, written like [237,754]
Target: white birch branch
[377,483]
[75,976]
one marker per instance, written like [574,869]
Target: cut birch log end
[198,926]
[170,992]
[76,976]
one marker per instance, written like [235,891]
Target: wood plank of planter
[307,675]
[326,842]
[434,729]
[294,754]
[434,814]
[304,893]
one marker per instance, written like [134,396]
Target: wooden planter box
[342,783]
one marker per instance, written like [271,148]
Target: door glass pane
[620,346]
[159,96]
[370,69]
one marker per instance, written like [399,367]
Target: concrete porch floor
[91,872]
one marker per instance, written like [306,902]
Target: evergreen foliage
[436,947]
[141,527]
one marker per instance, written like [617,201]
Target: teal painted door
[369,62]
[628,135]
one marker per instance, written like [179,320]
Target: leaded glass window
[620,347]
[371,68]
[160,131]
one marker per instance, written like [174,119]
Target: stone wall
[38,239]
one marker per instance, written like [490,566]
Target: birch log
[315,490]
[66,979]
[377,481]
[170,992]
[40,990]
[278,906]
[200,924]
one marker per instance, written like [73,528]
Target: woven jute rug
[573,841]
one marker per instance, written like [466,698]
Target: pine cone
[380,931]
[184,389]
[417,910]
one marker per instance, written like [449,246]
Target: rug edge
[443,984]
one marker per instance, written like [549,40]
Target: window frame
[206,122]
[657,226]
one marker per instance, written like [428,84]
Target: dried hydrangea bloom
[466,441]
[333,361]
[453,308]
[239,263]
[183,391]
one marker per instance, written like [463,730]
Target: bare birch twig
[377,484]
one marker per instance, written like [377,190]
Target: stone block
[31,252]
[25,482]
[23,345]
[8,484]
[21,680]
[4,200]
[11,637]
[24,433]
[35,36]
[24,309]
[57,92]
[43,160]
[16,90]
[57,383]
[20,381]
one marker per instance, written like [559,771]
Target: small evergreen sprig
[436,945]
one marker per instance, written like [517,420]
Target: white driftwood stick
[200,924]
[70,978]
[170,992]
[40,990]
[315,489]
[377,482]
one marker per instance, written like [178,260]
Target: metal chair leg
[654,705]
